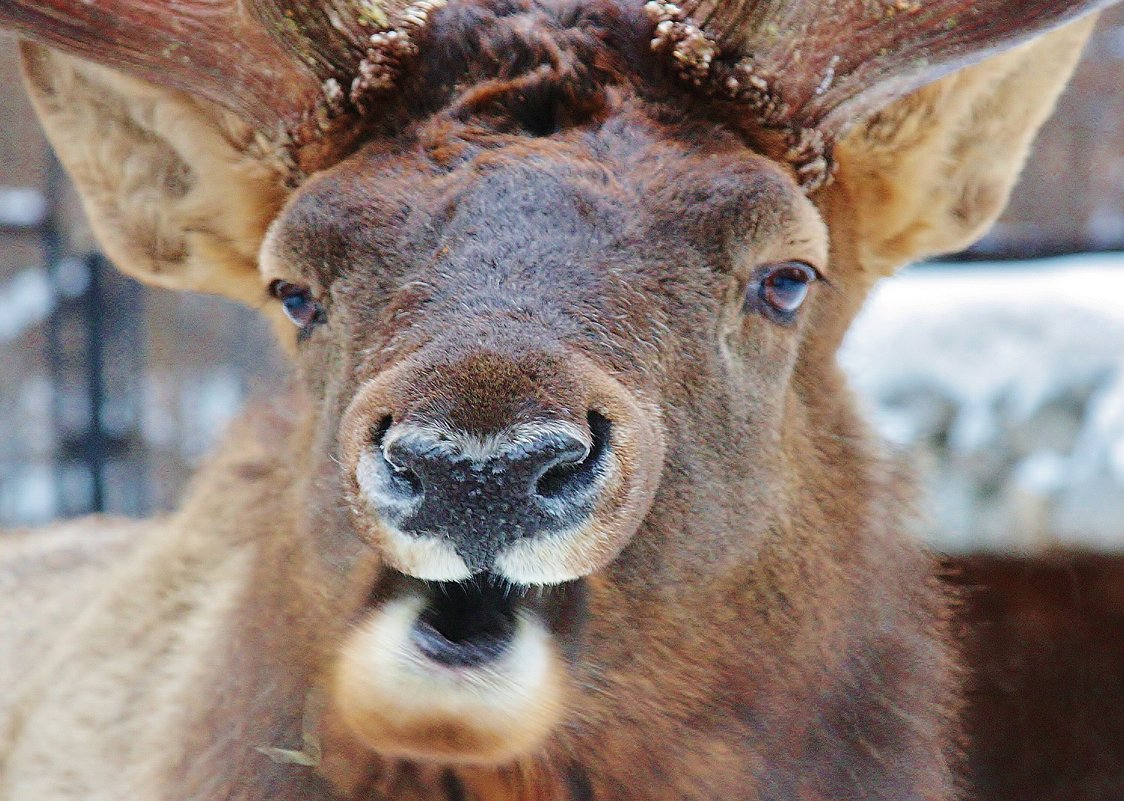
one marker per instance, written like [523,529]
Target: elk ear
[931,172]
[177,190]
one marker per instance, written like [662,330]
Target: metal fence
[96,417]
[77,423]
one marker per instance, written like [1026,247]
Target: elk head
[564,282]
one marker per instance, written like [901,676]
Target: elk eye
[300,306]
[780,289]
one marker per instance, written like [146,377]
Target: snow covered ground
[1007,384]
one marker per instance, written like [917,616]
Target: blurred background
[1001,370]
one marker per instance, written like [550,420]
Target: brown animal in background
[569,499]
[1045,696]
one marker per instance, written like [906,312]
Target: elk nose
[480,494]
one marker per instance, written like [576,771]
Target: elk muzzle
[482,495]
[533,468]
[476,475]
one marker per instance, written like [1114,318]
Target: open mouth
[465,624]
[473,623]
[468,672]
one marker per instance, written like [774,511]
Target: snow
[29,297]
[22,207]
[28,300]
[1013,377]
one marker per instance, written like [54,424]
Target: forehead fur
[686,179]
[538,108]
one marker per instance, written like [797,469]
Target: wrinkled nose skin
[483,495]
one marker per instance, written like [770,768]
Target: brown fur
[544,226]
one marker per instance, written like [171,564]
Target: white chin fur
[402,704]
[540,561]
[423,557]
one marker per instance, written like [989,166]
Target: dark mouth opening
[467,624]
[470,624]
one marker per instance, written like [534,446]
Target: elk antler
[294,69]
[816,67]
[303,69]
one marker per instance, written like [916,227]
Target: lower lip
[402,701]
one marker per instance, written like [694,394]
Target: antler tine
[356,47]
[289,68]
[210,48]
[329,36]
[816,67]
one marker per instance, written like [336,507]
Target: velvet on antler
[816,67]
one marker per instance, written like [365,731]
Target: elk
[568,498]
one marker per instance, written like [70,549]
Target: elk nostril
[569,476]
[400,478]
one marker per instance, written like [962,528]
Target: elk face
[569,339]
[523,350]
